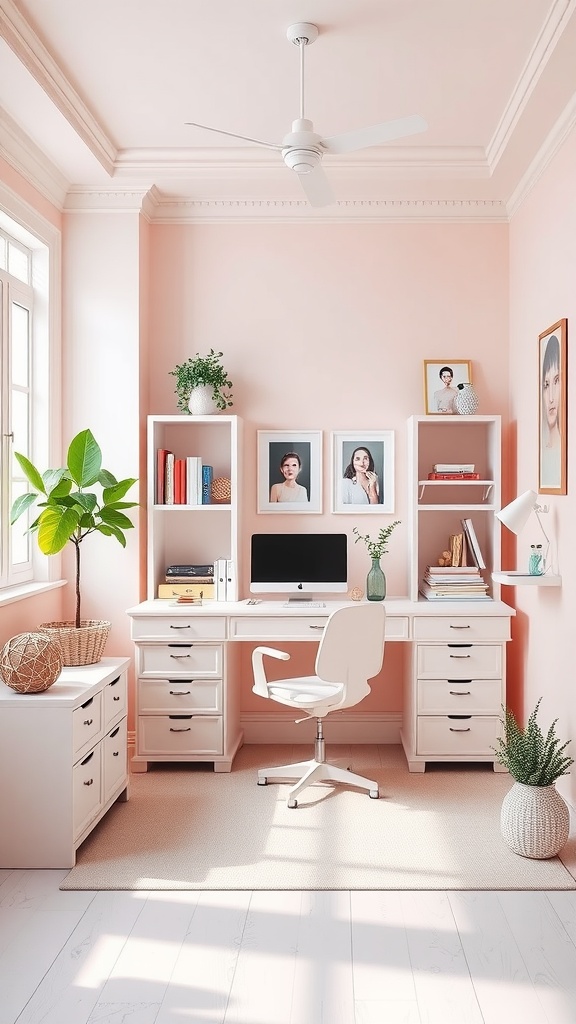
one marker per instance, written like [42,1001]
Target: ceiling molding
[114,199]
[28,159]
[32,53]
[545,154]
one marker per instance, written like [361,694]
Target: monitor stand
[304,601]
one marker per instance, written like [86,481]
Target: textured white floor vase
[186,827]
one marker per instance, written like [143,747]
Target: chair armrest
[260,682]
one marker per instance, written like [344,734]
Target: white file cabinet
[63,763]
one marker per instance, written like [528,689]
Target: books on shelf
[472,541]
[454,467]
[453,582]
[435,595]
[453,476]
[182,481]
[191,569]
[207,475]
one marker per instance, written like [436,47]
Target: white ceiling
[94,98]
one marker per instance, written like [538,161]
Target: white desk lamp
[515,516]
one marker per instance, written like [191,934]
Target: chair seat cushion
[305,692]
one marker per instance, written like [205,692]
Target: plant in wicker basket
[529,756]
[71,509]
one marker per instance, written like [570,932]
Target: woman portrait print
[361,479]
[552,411]
[289,472]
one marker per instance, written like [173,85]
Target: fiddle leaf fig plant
[71,509]
[378,547]
[199,372]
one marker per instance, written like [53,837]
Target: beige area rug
[186,827]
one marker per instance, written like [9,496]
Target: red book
[453,476]
[179,481]
[161,454]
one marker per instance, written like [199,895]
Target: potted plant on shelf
[535,821]
[200,382]
[71,511]
[376,580]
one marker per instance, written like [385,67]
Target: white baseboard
[341,727]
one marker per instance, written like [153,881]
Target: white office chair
[350,653]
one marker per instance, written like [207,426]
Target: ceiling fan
[302,149]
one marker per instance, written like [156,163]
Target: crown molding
[32,53]
[28,159]
[108,199]
[548,150]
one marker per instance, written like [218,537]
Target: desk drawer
[173,660]
[443,736]
[87,789]
[465,629]
[474,661]
[179,627]
[114,699]
[87,723]
[114,759]
[465,697]
[158,696]
[187,734]
[277,627]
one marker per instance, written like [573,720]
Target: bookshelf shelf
[518,579]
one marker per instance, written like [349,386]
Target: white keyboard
[304,604]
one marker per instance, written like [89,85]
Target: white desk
[187,697]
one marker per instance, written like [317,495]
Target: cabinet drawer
[114,699]
[454,697]
[179,627]
[277,627]
[114,759]
[454,661]
[158,696]
[163,735]
[466,737]
[87,789]
[181,660]
[87,723]
[467,628]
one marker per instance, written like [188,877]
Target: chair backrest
[352,648]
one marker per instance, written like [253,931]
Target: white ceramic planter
[535,821]
[201,402]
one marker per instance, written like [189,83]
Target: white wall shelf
[520,579]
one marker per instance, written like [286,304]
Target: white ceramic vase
[201,402]
[466,400]
[535,821]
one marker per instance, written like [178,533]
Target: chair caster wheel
[262,782]
[292,803]
[374,794]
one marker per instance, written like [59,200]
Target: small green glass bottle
[375,582]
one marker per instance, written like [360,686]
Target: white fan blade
[233,135]
[317,188]
[364,138]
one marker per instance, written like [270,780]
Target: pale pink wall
[542,290]
[326,327]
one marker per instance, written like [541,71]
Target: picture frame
[553,409]
[350,494]
[301,473]
[439,392]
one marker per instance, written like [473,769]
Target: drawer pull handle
[459,655]
[180,693]
[180,627]
[88,721]
[115,698]
[115,733]
[89,782]
[115,753]
[460,730]
[89,758]
[459,693]
[179,656]
[313,626]
[459,627]
[114,681]
[88,703]
[172,729]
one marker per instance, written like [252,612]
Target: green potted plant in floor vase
[200,384]
[534,820]
[75,501]
[376,580]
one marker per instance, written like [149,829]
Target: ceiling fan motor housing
[302,147]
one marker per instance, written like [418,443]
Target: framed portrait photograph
[363,471]
[553,409]
[441,380]
[290,471]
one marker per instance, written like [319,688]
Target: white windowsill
[19,593]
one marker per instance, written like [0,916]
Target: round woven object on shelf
[221,490]
[30,662]
[83,646]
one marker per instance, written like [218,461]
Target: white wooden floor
[283,957]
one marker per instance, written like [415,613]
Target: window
[29,269]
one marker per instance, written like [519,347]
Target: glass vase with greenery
[202,371]
[376,579]
[532,758]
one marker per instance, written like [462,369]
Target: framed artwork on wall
[363,471]
[441,379]
[290,471]
[553,409]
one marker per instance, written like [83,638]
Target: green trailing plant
[378,547]
[70,509]
[202,371]
[529,756]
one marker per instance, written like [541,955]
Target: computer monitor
[299,564]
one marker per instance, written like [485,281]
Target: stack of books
[453,583]
[188,581]
[454,471]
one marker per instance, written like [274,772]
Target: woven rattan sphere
[30,662]
[220,491]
